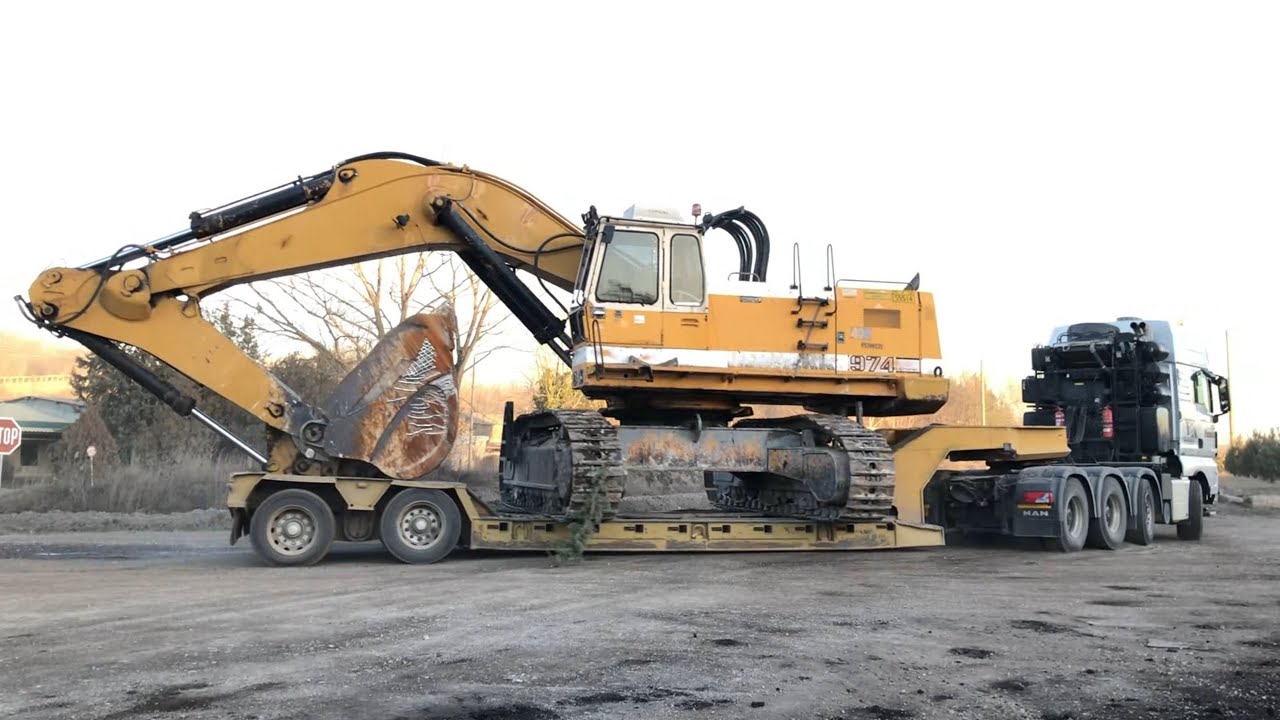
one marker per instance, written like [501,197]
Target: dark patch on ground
[635,662]
[657,693]
[1270,643]
[757,703]
[1127,588]
[1012,685]
[876,712]
[1117,602]
[1235,695]
[942,697]
[513,712]
[178,698]
[1041,626]
[978,653]
[700,704]
[600,698]
[727,642]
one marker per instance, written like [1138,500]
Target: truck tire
[1143,531]
[1073,520]
[420,526]
[1107,531]
[1193,526]
[292,527]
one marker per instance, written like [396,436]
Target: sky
[1036,163]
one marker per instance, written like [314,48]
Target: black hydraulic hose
[392,155]
[257,207]
[504,243]
[744,247]
[545,327]
[538,253]
[761,233]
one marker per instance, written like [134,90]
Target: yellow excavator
[676,364]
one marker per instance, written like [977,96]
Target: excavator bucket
[398,409]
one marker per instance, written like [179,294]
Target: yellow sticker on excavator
[897,296]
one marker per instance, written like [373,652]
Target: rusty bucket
[398,409]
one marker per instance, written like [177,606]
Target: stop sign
[10,436]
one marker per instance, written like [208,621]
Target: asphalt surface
[178,624]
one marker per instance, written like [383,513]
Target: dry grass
[190,484]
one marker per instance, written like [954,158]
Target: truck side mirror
[606,235]
[1224,396]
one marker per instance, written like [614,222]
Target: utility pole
[982,390]
[471,434]
[1231,416]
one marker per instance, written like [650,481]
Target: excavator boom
[362,209]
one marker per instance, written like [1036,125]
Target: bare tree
[341,313]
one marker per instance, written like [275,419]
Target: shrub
[1259,457]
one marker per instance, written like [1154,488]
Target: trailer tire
[292,527]
[1073,522]
[1107,531]
[420,526]
[1144,531]
[1193,527]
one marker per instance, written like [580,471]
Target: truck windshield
[629,271]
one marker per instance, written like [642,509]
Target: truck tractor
[1139,402]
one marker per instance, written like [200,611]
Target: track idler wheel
[560,463]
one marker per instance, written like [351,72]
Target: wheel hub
[292,531]
[1113,513]
[420,525]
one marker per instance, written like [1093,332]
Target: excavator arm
[362,209]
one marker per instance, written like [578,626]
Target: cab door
[684,319]
[626,298]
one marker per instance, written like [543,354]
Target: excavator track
[579,444]
[871,475]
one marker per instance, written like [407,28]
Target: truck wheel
[292,527]
[1144,532]
[1107,531]
[1193,526]
[1073,520]
[420,526]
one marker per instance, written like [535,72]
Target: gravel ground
[178,624]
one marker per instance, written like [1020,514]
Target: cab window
[686,270]
[1201,388]
[629,270]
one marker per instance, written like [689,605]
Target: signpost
[10,436]
[91,451]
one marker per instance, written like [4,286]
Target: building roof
[39,414]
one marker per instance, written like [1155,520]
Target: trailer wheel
[420,526]
[1107,531]
[292,527]
[1073,522]
[1193,526]
[1144,532]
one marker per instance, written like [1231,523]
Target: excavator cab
[652,331]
